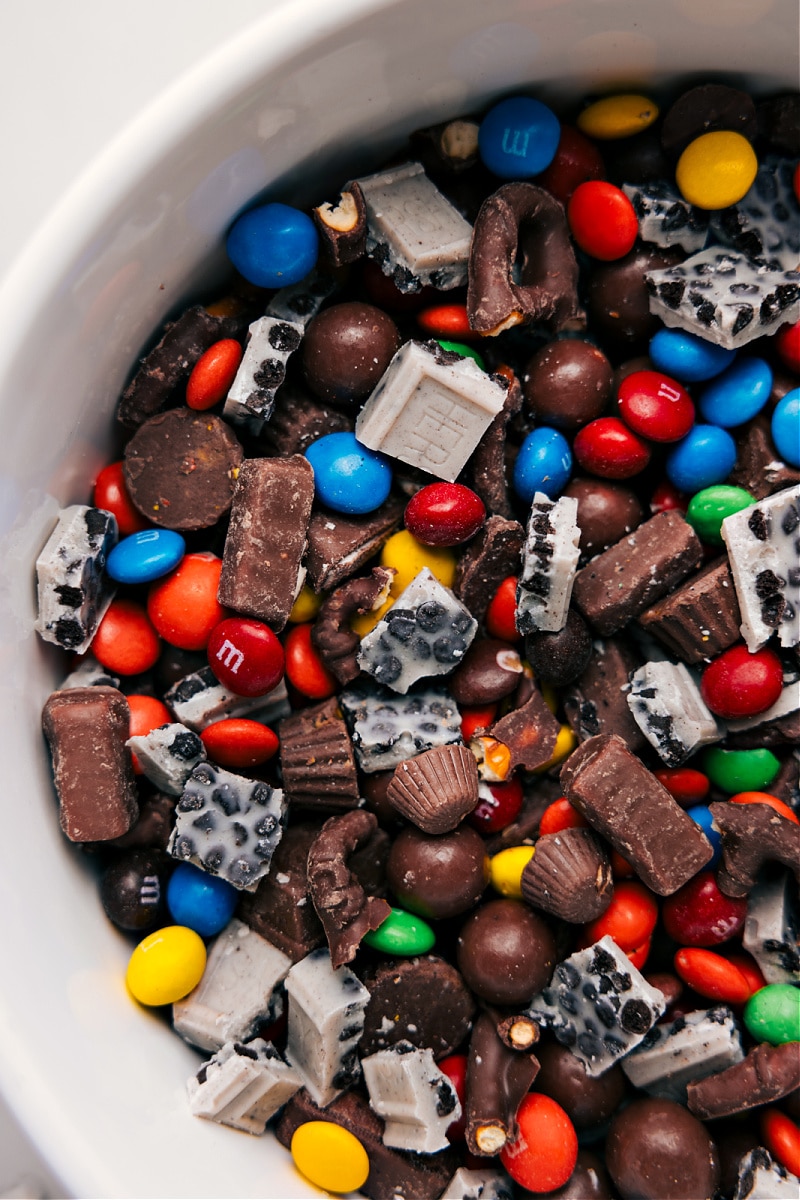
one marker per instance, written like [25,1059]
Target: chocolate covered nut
[338,545]
[588,1100]
[617,299]
[416,1100]
[342,227]
[606,512]
[521,224]
[506,952]
[699,619]
[656,1150]
[529,732]
[497,1081]
[87,729]
[707,109]
[666,703]
[317,758]
[331,634]
[280,908]
[624,580]
[180,468]
[487,561]
[767,1074]
[491,669]
[597,702]
[242,1085]
[567,383]
[452,145]
[438,876]
[624,802]
[436,789]
[346,350]
[753,834]
[569,876]
[549,559]
[261,572]
[560,658]
[73,589]
[680,1052]
[344,908]
[422,1000]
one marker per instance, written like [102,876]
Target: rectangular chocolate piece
[338,543]
[87,729]
[597,702]
[627,578]
[280,908]
[261,573]
[625,802]
[700,619]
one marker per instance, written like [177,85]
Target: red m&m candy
[602,220]
[699,914]
[493,812]
[501,613]
[608,448]
[245,656]
[655,406]
[544,1153]
[213,374]
[577,159]
[444,514]
[740,684]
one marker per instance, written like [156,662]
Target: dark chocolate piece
[438,876]
[344,908]
[486,472]
[656,1150]
[767,1074]
[339,544]
[497,1081]
[779,123]
[488,559]
[597,702]
[753,834]
[506,952]
[317,758]
[421,1000]
[490,670]
[569,876]
[567,383]
[759,469]
[346,349]
[331,634]
[266,538]
[625,802]
[588,1100]
[299,419]
[700,619]
[436,789]
[560,658]
[153,826]
[606,512]
[522,266]
[636,571]
[87,729]
[530,732]
[709,108]
[342,227]
[180,468]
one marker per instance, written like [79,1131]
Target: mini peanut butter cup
[436,789]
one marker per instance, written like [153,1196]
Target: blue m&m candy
[786,427]
[704,457]
[202,902]
[273,245]
[738,394]
[518,138]
[544,464]
[687,357]
[146,555]
[701,815]
[348,477]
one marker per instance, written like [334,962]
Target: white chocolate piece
[251,398]
[426,632]
[430,409]
[416,1100]
[242,1085]
[199,699]
[765,225]
[549,563]
[300,302]
[763,544]
[684,1051]
[666,704]
[326,1020]
[480,1184]
[665,218]
[74,591]
[761,1177]
[387,729]
[772,929]
[413,231]
[237,991]
[168,755]
[89,673]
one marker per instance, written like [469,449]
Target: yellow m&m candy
[166,965]
[330,1156]
[617,116]
[716,169]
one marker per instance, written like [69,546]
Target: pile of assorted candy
[433,710]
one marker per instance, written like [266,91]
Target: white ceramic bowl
[314,91]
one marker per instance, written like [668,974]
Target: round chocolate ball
[586,1099]
[374,787]
[559,658]
[346,350]
[567,383]
[438,875]
[708,108]
[133,889]
[490,670]
[606,512]
[656,1150]
[506,953]
[588,1181]
[617,299]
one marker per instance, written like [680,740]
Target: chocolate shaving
[768,1073]
[569,876]
[334,639]
[530,732]
[497,1081]
[753,834]
[436,789]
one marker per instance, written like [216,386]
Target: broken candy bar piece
[569,876]
[242,1086]
[489,558]
[699,619]
[759,469]
[771,930]
[261,573]
[625,802]
[342,227]
[299,419]
[339,544]
[597,702]
[667,706]
[530,733]
[497,1081]
[237,991]
[683,1051]
[317,758]
[598,1005]
[619,584]
[413,232]
[228,825]
[767,1074]
[487,470]
[342,905]
[476,1184]
[251,397]
[762,1178]
[416,1100]
[168,755]
[549,561]
[426,632]
[332,635]
[87,729]
[724,297]
[522,266]
[763,544]
[326,1019]
[436,789]
[424,1001]
[752,834]
[74,590]
[765,224]
[280,908]
[199,699]
[665,218]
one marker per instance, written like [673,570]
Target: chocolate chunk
[759,468]
[506,952]
[631,575]
[331,634]
[617,299]
[656,1150]
[346,350]
[436,789]
[490,670]
[342,227]
[486,472]
[317,758]
[422,1000]
[180,468]
[152,828]
[299,419]
[530,733]
[597,703]
[779,123]
[588,1100]
[569,876]
[521,265]
[87,729]
[492,555]
[567,383]
[606,512]
[767,1074]
[280,908]
[753,834]
[438,876]
[344,908]
[624,802]
[338,545]
[699,619]
[497,1081]
[560,658]
[707,109]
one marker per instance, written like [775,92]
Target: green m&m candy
[402,934]
[772,1014]
[740,770]
[465,352]
[709,508]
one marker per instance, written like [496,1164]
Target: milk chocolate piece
[530,732]
[342,227]
[506,952]
[631,575]
[753,834]
[317,758]
[491,670]
[656,1150]
[422,1000]
[486,472]
[436,789]
[588,1100]
[522,266]
[346,349]
[299,419]
[344,908]
[332,635]
[280,908]
[497,1081]
[561,658]
[597,702]
[180,468]
[87,729]
[625,802]
[617,299]
[567,383]
[339,544]
[569,876]
[759,469]
[700,619]
[438,876]
[491,556]
[767,1074]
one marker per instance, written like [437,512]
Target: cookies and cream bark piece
[478,1184]
[413,232]
[242,1085]
[430,409]
[326,1019]
[762,1178]
[426,632]
[199,699]
[416,1100]
[765,225]
[549,562]
[89,673]
[772,930]
[74,590]
[237,992]
[168,755]
[387,729]
[683,1051]
[665,218]
[300,302]
[228,825]
[667,706]
[763,544]
[270,343]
